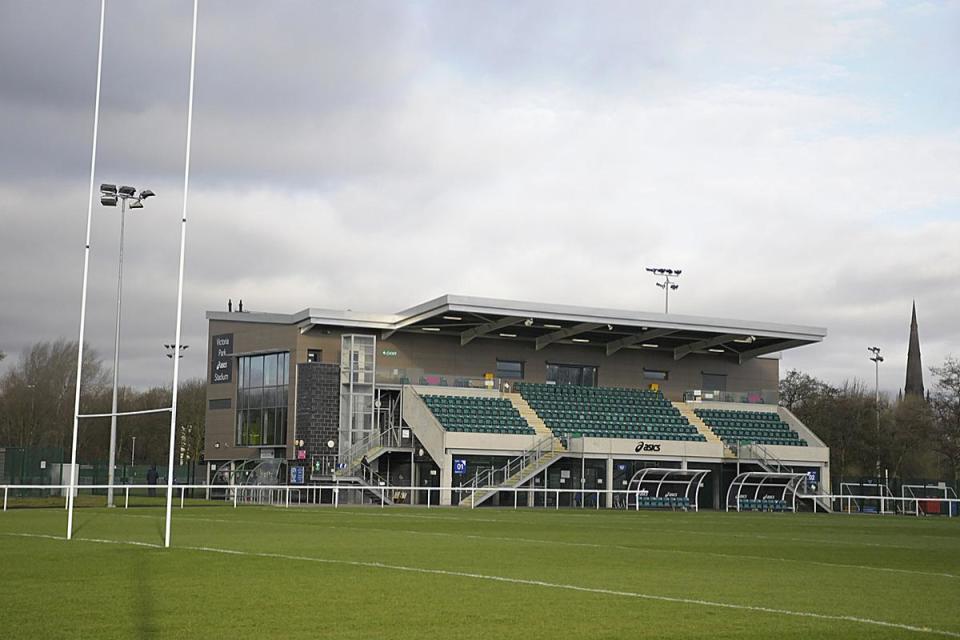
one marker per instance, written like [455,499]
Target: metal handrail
[767,458]
[496,477]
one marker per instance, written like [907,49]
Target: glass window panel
[269,420]
[510,369]
[255,422]
[283,373]
[270,370]
[256,371]
[282,425]
[241,425]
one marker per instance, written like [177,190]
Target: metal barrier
[298,495]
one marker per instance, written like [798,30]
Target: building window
[510,369]
[579,374]
[714,381]
[314,355]
[655,374]
[262,399]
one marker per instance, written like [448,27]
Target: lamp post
[109,194]
[877,359]
[667,285]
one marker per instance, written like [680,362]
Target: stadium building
[491,394]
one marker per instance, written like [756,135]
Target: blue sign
[460,467]
[296,475]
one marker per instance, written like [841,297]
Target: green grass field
[258,572]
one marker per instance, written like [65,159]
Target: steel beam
[687,349]
[652,334]
[560,334]
[489,327]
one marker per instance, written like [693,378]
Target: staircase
[527,413]
[687,412]
[768,462]
[513,474]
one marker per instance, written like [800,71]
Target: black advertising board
[221,358]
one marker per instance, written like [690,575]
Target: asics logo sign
[642,446]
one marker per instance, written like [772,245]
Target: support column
[446,479]
[609,483]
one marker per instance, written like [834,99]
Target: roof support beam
[687,349]
[306,326]
[771,348]
[489,327]
[652,334]
[560,334]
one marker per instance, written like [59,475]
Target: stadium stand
[750,426]
[475,414]
[606,412]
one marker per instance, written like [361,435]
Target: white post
[86,271]
[183,243]
[288,497]
[336,497]
[557,506]
[182,491]
[473,498]
[126,498]
[5,491]
[112,457]
[515,499]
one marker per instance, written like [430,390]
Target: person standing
[152,476]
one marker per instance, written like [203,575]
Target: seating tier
[763,427]
[477,414]
[607,412]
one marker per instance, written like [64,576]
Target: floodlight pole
[86,273]
[877,359]
[667,285]
[183,244]
[112,461]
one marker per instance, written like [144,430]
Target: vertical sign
[296,475]
[221,358]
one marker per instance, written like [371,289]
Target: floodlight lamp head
[670,271]
[127,191]
[676,272]
[108,188]
[108,200]
[146,193]
[674,286]
[651,270]
[136,204]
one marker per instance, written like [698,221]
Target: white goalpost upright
[77,416]
[86,272]
[183,242]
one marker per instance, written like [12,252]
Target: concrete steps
[687,412]
[528,414]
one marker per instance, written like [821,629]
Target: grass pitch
[257,572]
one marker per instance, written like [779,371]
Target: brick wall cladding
[318,406]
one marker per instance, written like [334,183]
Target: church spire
[914,383]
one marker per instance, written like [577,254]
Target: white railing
[389,437]
[530,458]
[293,495]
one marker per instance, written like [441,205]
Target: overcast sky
[799,161]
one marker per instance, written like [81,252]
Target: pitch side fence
[337,495]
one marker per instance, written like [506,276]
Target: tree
[37,394]
[906,437]
[945,404]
